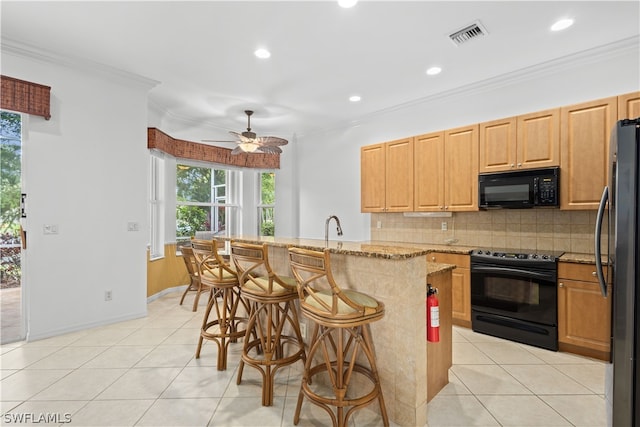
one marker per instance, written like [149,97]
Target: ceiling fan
[249,142]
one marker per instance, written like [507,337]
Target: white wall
[86,171]
[329,163]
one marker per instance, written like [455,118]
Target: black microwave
[521,189]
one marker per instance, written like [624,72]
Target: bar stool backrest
[252,264]
[318,291]
[190,261]
[211,265]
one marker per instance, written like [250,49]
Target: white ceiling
[201,52]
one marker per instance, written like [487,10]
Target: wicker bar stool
[225,298]
[273,339]
[194,276]
[342,333]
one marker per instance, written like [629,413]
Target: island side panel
[440,354]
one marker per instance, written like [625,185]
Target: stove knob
[545,257]
[534,256]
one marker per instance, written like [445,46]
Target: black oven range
[514,295]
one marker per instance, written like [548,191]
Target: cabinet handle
[433,258]
[593,273]
[519,165]
[561,285]
[446,207]
[512,165]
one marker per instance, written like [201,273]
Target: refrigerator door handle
[598,249]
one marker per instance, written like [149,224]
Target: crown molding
[14,47]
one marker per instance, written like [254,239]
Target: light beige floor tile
[488,379]
[7,405]
[248,412]
[463,411]
[111,412]
[119,357]
[81,384]
[21,357]
[522,411]
[310,415]
[195,382]
[58,341]
[106,336]
[457,335]
[472,336]
[150,336]
[68,358]
[455,386]
[590,375]
[466,353]
[559,358]
[544,379]
[4,373]
[251,385]
[179,412]
[140,383]
[369,416]
[587,410]
[27,383]
[504,353]
[164,356]
[184,335]
[43,413]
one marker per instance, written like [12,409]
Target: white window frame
[156,205]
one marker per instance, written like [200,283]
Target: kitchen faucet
[326,227]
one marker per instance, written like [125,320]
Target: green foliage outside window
[10,190]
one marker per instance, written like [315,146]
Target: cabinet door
[372,178]
[584,316]
[629,106]
[399,175]
[497,145]
[428,160]
[460,286]
[585,130]
[538,141]
[461,169]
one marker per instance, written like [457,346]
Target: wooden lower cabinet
[460,286]
[584,315]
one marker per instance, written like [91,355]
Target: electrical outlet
[443,226]
[133,226]
[50,229]
[379,224]
[303,330]
[108,295]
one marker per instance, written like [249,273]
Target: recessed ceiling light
[433,71]
[347,3]
[562,24]
[262,53]
[355,98]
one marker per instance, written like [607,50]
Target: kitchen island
[411,371]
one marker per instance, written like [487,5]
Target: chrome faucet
[326,227]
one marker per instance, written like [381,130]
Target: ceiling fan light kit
[249,142]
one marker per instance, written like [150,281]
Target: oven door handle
[519,272]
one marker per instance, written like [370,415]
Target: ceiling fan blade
[241,137]
[271,141]
[237,150]
[267,149]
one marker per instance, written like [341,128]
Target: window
[156,207]
[266,205]
[205,201]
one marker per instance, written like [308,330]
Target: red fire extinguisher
[433,315]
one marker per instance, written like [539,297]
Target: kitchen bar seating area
[144,373]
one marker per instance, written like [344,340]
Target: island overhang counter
[397,276]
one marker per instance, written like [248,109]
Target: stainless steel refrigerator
[620,198]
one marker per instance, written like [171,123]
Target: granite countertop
[386,250]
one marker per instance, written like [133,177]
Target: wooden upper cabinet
[386,177]
[461,169]
[428,160]
[523,142]
[372,178]
[629,106]
[538,139]
[585,130]
[399,175]
[498,145]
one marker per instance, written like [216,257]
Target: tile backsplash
[531,229]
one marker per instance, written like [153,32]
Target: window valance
[25,97]
[208,153]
